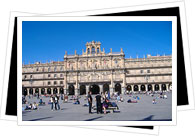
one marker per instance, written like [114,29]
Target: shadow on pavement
[93,118]
[40,119]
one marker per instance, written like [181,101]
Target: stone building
[97,71]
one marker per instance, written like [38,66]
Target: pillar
[124,83]
[65,82]
[112,83]
[39,91]
[46,90]
[28,92]
[65,91]
[160,87]
[146,86]
[51,91]
[76,86]
[153,87]
[167,87]
[139,88]
[87,89]
[132,89]
[58,90]
[101,88]
[76,91]
[33,91]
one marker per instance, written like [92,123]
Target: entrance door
[105,88]
[71,90]
[118,88]
[94,89]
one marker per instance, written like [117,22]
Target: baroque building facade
[97,71]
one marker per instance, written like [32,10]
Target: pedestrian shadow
[92,119]
[63,108]
[40,119]
[26,111]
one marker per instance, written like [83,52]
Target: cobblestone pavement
[144,110]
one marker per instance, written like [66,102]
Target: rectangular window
[141,71]
[148,71]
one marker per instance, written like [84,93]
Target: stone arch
[88,51]
[98,50]
[49,91]
[82,89]
[135,88]
[24,91]
[30,91]
[118,88]
[37,90]
[143,88]
[163,86]
[94,89]
[55,91]
[42,91]
[106,88]
[149,87]
[93,50]
[71,90]
[156,87]
[128,88]
[61,90]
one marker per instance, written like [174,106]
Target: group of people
[102,102]
[31,106]
[54,101]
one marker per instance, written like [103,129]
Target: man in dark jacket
[98,103]
[90,100]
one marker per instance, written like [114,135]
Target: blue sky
[48,40]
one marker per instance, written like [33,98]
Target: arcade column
[101,88]
[28,91]
[87,89]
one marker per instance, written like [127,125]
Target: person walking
[90,99]
[98,103]
[58,103]
[52,102]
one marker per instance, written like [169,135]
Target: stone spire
[75,52]
[121,50]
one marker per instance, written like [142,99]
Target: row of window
[49,76]
[54,83]
[48,69]
[142,71]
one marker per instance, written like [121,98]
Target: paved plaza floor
[144,110]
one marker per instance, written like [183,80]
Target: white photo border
[98,123]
